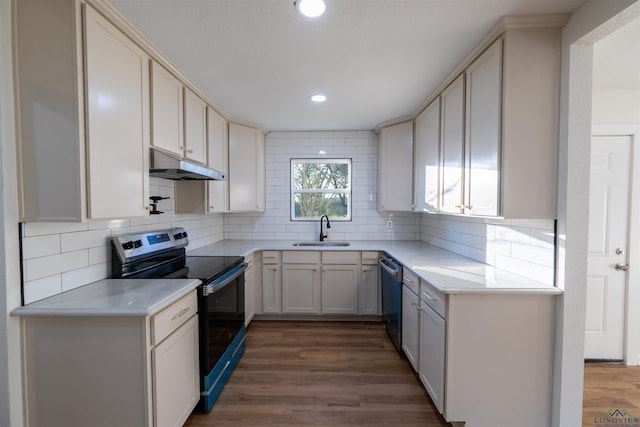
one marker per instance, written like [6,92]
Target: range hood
[169,166]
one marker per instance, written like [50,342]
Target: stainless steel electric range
[162,254]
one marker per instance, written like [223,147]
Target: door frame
[631,351]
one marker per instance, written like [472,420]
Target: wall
[62,256]
[367,224]
[524,247]
[590,23]
[10,354]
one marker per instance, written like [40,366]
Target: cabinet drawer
[434,298]
[411,279]
[301,257]
[270,257]
[169,319]
[369,258]
[340,257]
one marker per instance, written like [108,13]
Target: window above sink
[320,187]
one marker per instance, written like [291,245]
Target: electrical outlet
[389,224]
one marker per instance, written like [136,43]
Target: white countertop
[448,272]
[112,297]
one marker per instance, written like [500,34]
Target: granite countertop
[448,272]
[112,297]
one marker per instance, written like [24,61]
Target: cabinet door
[176,386]
[482,142]
[432,353]
[411,326]
[246,169]
[117,121]
[249,294]
[340,289]
[167,111]
[395,168]
[452,146]
[427,160]
[300,288]
[271,289]
[195,127]
[369,294]
[217,137]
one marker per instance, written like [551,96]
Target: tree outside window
[320,187]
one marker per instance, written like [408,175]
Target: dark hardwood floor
[609,386]
[320,374]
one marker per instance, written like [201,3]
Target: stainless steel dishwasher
[391,279]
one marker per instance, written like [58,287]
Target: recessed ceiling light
[318,98]
[310,8]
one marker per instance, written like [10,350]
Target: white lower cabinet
[251,289]
[117,371]
[431,353]
[175,383]
[411,326]
[476,350]
[315,282]
[301,288]
[339,289]
[369,291]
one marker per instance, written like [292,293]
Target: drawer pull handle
[429,297]
[181,313]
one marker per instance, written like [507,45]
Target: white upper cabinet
[218,141]
[117,154]
[395,167]
[178,117]
[482,139]
[498,128]
[195,127]
[246,177]
[452,137]
[167,110]
[83,115]
[427,158]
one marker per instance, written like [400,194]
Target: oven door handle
[213,287]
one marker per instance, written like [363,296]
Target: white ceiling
[374,59]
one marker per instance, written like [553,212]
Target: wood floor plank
[320,374]
[609,386]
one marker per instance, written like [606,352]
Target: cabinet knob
[147,208]
[275,269]
[190,151]
[211,207]
[182,148]
[468,207]
[258,206]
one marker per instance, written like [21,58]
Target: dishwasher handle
[391,267]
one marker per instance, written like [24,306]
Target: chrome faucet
[322,235]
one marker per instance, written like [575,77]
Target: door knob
[622,267]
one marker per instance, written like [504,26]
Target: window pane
[314,205]
[321,176]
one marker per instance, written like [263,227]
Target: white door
[608,230]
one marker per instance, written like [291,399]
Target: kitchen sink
[321,244]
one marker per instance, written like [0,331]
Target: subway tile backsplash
[367,223]
[58,257]
[61,256]
[524,247]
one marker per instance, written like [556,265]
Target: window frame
[348,191]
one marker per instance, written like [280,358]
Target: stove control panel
[135,245]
